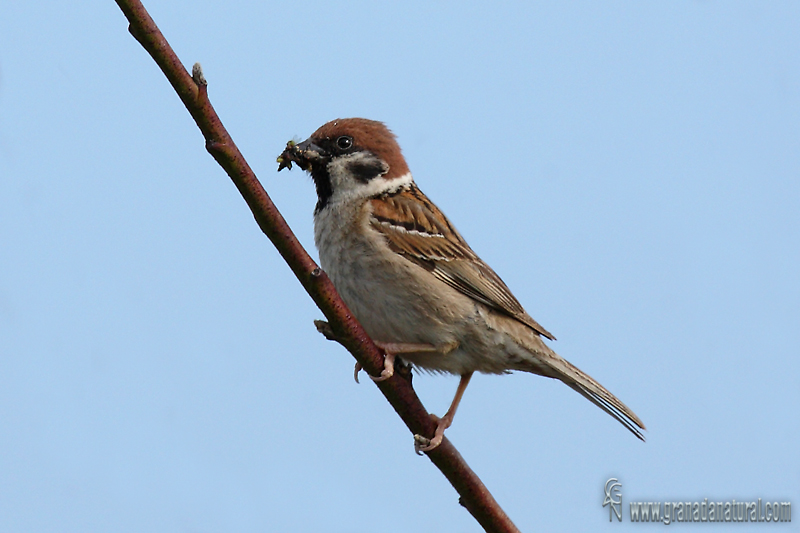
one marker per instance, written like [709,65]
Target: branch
[192,90]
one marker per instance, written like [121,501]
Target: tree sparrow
[409,277]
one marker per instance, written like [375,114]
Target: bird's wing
[416,229]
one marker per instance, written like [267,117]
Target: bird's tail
[590,389]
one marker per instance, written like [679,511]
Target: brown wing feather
[416,229]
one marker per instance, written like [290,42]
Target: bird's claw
[424,444]
[386,373]
[420,443]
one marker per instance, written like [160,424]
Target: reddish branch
[192,91]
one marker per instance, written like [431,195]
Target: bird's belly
[398,301]
[404,308]
[393,303]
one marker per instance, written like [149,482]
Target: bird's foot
[423,444]
[391,349]
[386,373]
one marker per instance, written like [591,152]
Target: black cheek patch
[366,170]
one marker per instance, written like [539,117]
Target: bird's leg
[421,444]
[391,349]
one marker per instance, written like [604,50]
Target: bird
[412,281]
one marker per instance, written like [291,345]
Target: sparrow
[411,279]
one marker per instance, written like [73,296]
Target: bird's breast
[394,299]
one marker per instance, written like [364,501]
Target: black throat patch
[322,182]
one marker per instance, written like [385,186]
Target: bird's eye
[344,142]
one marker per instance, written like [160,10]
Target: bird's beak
[309,146]
[306,154]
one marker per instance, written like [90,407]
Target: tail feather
[590,389]
[611,405]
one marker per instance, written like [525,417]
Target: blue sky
[631,170]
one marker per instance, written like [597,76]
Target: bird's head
[348,158]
